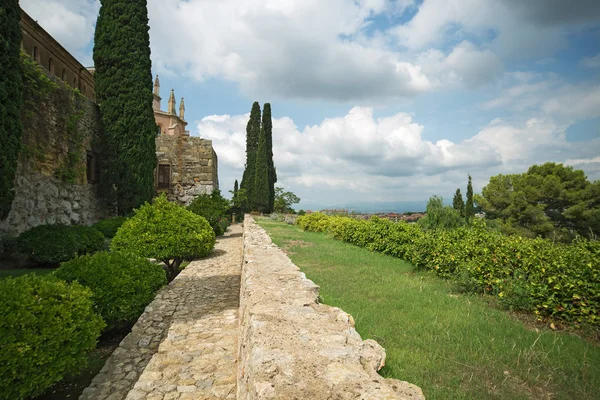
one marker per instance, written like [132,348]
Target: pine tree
[260,199]
[252,136]
[123,84]
[11,99]
[267,126]
[458,203]
[469,208]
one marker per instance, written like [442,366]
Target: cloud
[288,48]
[70,22]
[591,62]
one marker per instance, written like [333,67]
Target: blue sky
[375,100]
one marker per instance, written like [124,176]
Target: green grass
[452,346]
[4,273]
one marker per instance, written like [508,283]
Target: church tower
[181,109]
[171,109]
[157,99]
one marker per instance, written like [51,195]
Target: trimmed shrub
[165,231]
[215,208]
[46,329]
[54,244]
[109,226]
[122,284]
[315,222]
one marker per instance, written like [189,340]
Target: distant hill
[376,207]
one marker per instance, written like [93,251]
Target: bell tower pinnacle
[156,95]
[181,109]
[171,109]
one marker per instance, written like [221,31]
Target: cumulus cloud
[281,48]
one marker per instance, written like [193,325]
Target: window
[164,176]
[93,167]
[74,82]
[50,66]
[84,90]
[63,76]
[35,53]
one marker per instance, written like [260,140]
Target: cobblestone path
[184,346]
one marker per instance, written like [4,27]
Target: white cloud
[591,62]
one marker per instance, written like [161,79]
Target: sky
[375,100]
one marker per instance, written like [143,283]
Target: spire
[156,86]
[181,109]
[171,109]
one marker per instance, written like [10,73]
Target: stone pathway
[184,346]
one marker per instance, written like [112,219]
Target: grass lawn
[452,346]
[22,271]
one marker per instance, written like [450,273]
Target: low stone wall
[292,347]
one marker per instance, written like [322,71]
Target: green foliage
[46,329]
[109,226]
[284,200]
[549,200]
[122,284]
[439,217]
[556,281]
[260,195]
[252,138]
[123,85]
[165,231]
[458,203]
[267,126]
[469,206]
[11,99]
[57,243]
[215,208]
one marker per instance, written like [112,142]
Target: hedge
[109,226]
[554,281]
[46,329]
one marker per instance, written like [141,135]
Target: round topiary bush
[109,226]
[53,244]
[122,284]
[46,329]
[165,231]
[215,208]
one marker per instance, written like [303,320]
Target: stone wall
[60,131]
[194,166]
[292,347]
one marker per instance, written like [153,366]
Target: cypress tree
[267,126]
[252,136]
[11,99]
[260,199]
[458,203]
[123,84]
[235,188]
[469,208]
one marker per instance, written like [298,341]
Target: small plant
[109,226]
[167,232]
[122,284]
[46,329]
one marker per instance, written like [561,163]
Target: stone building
[187,166]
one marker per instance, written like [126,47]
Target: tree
[260,195]
[549,200]
[267,126]
[284,200]
[469,207]
[167,232]
[11,99]
[438,216]
[252,137]
[123,84]
[458,203]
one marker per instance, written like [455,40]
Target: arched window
[35,53]
[50,66]
[63,76]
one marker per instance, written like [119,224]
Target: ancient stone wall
[58,148]
[292,347]
[193,165]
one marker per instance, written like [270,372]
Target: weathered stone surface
[291,347]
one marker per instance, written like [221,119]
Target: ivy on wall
[11,92]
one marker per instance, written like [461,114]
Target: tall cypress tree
[469,208]
[252,136]
[11,99]
[267,126]
[458,203]
[123,84]
[260,199]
